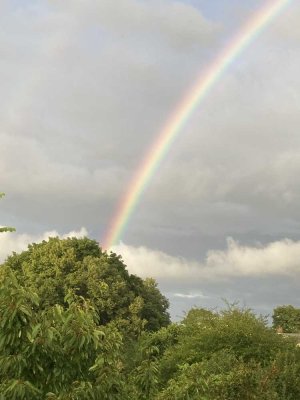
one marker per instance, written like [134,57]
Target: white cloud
[189,295]
[14,242]
[279,258]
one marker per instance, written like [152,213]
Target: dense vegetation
[76,325]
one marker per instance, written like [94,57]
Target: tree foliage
[287,319]
[57,353]
[232,354]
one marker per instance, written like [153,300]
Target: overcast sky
[86,87]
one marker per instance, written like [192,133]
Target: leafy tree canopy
[53,267]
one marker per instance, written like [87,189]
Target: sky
[85,89]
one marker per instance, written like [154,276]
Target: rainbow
[174,125]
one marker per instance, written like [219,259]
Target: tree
[53,267]
[231,354]
[205,333]
[5,228]
[287,318]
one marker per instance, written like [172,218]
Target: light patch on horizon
[189,295]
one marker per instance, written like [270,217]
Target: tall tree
[53,267]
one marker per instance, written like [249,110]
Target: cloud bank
[279,258]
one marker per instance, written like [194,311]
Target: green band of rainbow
[184,110]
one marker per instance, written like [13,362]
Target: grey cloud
[178,23]
[82,107]
[26,168]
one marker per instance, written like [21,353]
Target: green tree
[5,228]
[205,333]
[53,267]
[231,354]
[287,318]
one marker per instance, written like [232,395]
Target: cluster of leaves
[74,324]
[57,353]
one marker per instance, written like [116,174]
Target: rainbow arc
[165,138]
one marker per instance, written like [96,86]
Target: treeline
[76,325]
